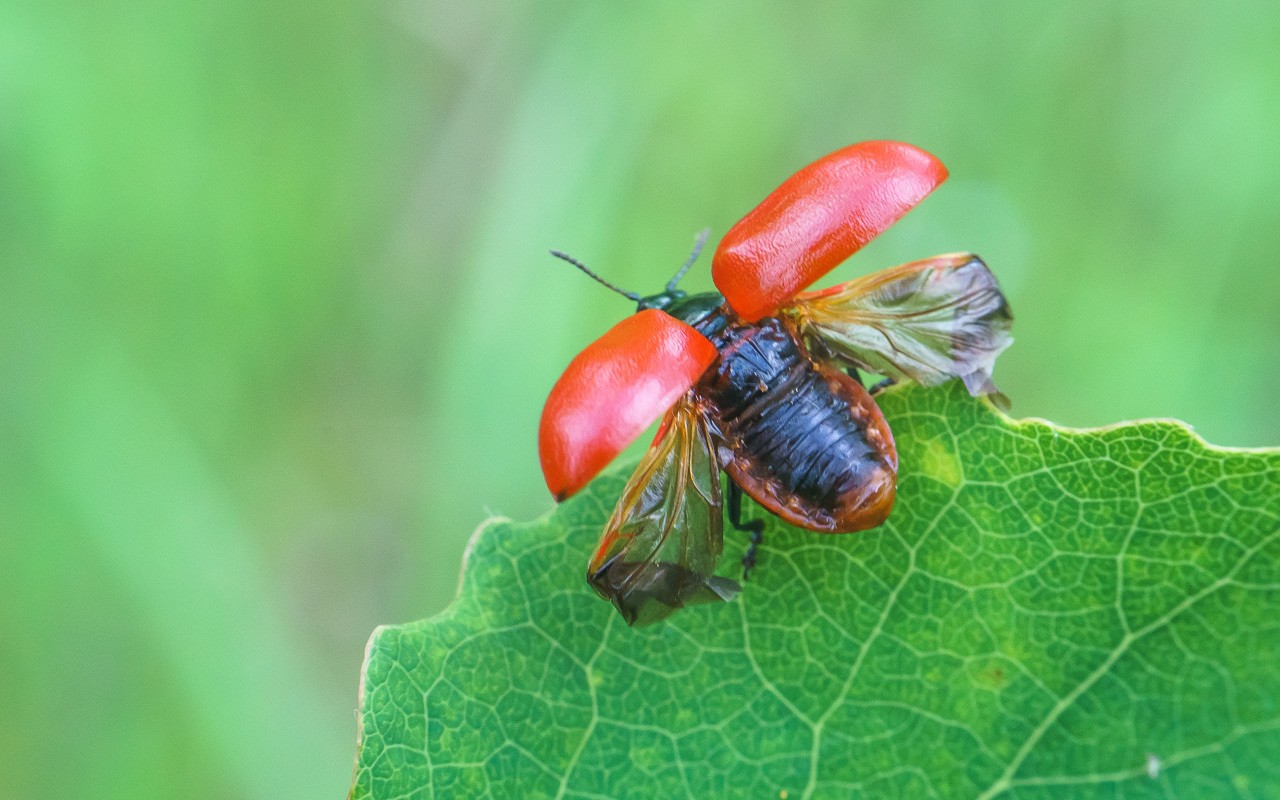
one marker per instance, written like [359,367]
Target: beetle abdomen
[805,440]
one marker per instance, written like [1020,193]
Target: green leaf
[1047,613]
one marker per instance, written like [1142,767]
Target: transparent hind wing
[659,550]
[927,321]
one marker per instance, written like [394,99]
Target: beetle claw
[749,558]
[881,386]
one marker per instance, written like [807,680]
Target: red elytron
[644,364]
[762,380]
[816,219]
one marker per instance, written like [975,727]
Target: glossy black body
[772,400]
[782,416]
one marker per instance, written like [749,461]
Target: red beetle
[761,381]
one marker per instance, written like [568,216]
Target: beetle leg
[882,385]
[755,527]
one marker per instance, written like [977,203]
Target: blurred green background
[278,318]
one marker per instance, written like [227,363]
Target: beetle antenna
[632,296]
[698,244]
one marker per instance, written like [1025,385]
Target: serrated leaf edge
[455,605]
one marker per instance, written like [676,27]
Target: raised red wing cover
[612,391]
[816,219]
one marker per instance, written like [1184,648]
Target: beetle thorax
[698,310]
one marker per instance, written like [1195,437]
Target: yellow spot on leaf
[938,462]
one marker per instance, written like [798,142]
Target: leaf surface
[1047,613]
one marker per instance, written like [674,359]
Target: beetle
[762,380]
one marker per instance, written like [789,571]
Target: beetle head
[663,301]
[689,308]
[670,299]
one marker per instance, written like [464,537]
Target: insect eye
[658,301]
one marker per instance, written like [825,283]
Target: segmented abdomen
[804,439]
